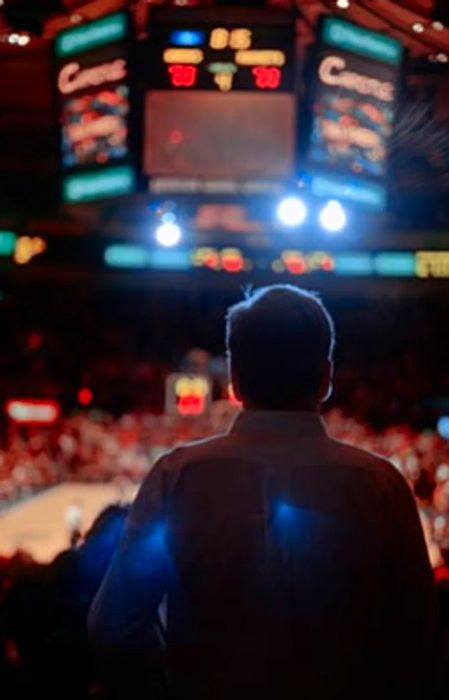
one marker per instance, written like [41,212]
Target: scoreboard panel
[212,135]
[222,55]
[220,101]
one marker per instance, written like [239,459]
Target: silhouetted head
[280,341]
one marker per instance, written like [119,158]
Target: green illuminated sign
[395,264]
[351,37]
[7,242]
[353,264]
[128,255]
[110,182]
[88,36]
[362,192]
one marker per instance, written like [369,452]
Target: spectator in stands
[46,613]
[293,565]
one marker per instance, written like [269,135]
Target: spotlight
[168,234]
[333,217]
[292,211]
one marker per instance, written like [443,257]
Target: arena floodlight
[168,234]
[333,217]
[292,211]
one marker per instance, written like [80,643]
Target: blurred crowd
[98,448]
[90,447]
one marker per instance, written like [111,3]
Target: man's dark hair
[278,340]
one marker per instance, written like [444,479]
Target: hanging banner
[355,94]
[92,79]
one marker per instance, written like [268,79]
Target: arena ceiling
[28,147]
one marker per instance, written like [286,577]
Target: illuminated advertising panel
[33,411]
[353,108]
[92,78]
[220,104]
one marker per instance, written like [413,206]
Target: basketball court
[39,525]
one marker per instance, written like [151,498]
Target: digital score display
[355,95]
[220,103]
[223,56]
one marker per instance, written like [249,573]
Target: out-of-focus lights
[292,211]
[33,411]
[85,396]
[343,4]
[168,234]
[418,27]
[333,217]
[168,218]
[27,247]
[442,57]
[442,473]
[76,18]
[443,427]
[438,26]
[15,38]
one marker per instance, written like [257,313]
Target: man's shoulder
[369,462]
[194,451]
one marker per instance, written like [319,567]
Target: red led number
[182,76]
[267,78]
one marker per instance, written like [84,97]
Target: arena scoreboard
[219,109]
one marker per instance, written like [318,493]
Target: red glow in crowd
[176,136]
[182,76]
[85,396]
[34,341]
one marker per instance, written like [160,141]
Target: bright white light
[14,38]
[333,217]
[23,40]
[438,26]
[442,57]
[343,4]
[168,235]
[418,27]
[292,211]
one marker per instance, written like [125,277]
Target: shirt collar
[299,423]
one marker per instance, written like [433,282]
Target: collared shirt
[293,565]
